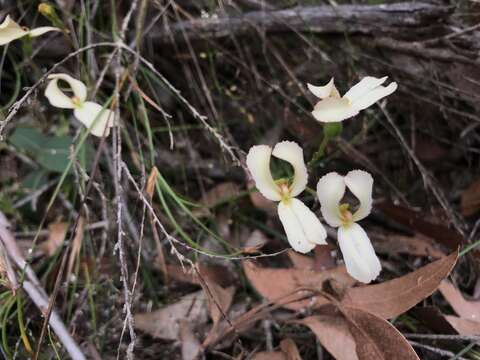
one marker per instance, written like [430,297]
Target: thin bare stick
[36,293]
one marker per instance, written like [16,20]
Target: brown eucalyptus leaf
[269,355]
[301,261]
[219,300]
[463,326]
[289,348]
[394,297]
[334,334]
[56,236]
[376,338]
[164,323]
[191,347]
[470,202]
[416,221]
[464,308]
[280,284]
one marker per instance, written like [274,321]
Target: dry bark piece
[56,236]
[464,308]
[281,284]
[470,202]
[289,348]
[334,334]
[394,297]
[152,180]
[376,338]
[164,323]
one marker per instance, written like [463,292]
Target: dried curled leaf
[263,279]
[394,297]
[466,309]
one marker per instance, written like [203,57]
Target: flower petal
[360,183]
[330,190]
[97,119]
[325,91]
[373,96]
[358,253]
[58,98]
[258,162]
[10,30]
[301,225]
[333,110]
[42,30]
[291,152]
[363,87]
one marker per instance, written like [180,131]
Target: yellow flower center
[284,189]
[345,214]
[76,101]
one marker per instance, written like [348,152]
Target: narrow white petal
[333,110]
[258,162]
[292,153]
[358,253]
[79,89]
[42,30]
[373,96]
[330,190]
[325,91]
[302,227]
[10,30]
[95,117]
[360,183]
[365,85]
[57,97]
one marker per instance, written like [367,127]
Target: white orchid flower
[358,253]
[333,108]
[10,30]
[302,227]
[97,119]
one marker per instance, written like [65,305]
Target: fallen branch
[34,290]
[363,19]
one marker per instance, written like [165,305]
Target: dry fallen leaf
[218,194]
[464,308]
[191,347]
[416,245]
[301,261]
[56,236]
[334,334]
[463,326]
[76,245]
[164,323]
[289,348]
[376,338]
[289,280]
[394,297]
[269,355]
[216,273]
[219,299]
[470,202]
[152,180]
[416,221]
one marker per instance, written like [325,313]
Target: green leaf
[28,139]
[54,153]
[35,179]
[332,130]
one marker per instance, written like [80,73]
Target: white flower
[10,30]
[97,119]
[302,227]
[333,108]
[358,253]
